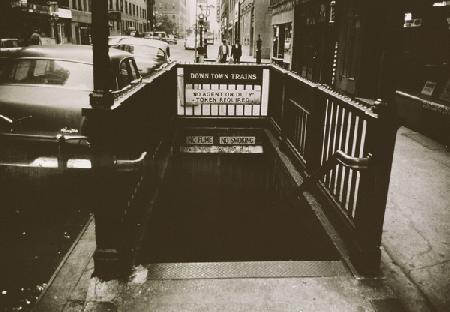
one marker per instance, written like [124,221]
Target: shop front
[81,27]
[282,34]
[425,61]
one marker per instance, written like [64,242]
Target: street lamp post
[201,21]
[196,30]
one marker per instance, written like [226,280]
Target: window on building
[110,6]
[79,5]
[309,39]
[74,4]
[85,6]
[352,43]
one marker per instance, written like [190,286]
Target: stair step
[251,269]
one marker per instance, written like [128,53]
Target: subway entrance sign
[223,91]
[213,141]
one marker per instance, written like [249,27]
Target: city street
[179,53]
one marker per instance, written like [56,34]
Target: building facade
[81,21]
[125,17]
[283,19]
[254,23]
[168,12]
[128,16]
[20,18]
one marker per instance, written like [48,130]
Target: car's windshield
[47,72]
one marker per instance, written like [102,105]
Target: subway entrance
[219,205]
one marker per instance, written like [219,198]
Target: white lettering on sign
[235,76]
[215,149]
[237,140]
[197,97]
[244,76]
[199,140]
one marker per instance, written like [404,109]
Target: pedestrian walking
[236,52]
[35,38]
[223,52]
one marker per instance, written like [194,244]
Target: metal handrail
[130,163]
[61,158]
[339,157]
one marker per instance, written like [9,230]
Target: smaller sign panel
[428,88]
[197,97]
[114,15]
[217,149]
[199,140]
[237,140]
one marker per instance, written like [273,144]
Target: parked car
[44,88]
[9,45]
[115,40]
[148,57]
[158,35]
[171,39]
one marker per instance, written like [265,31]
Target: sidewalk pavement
[417,223]
[415,261]
[213,50]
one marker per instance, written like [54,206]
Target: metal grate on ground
[253,269]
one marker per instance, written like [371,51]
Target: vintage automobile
[115,40]
[8,45]
[158,35]
[171,39]
[147,55]
[44,88]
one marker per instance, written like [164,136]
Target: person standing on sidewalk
[223,52]
[35,38]
[236,52]
[258,49]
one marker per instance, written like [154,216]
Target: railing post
[315,128]
[381,138]
[284,117]
[369,217]
[97,127]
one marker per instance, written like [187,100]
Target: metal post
[196,30]
[201,53]
[238,32]
[97,127]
